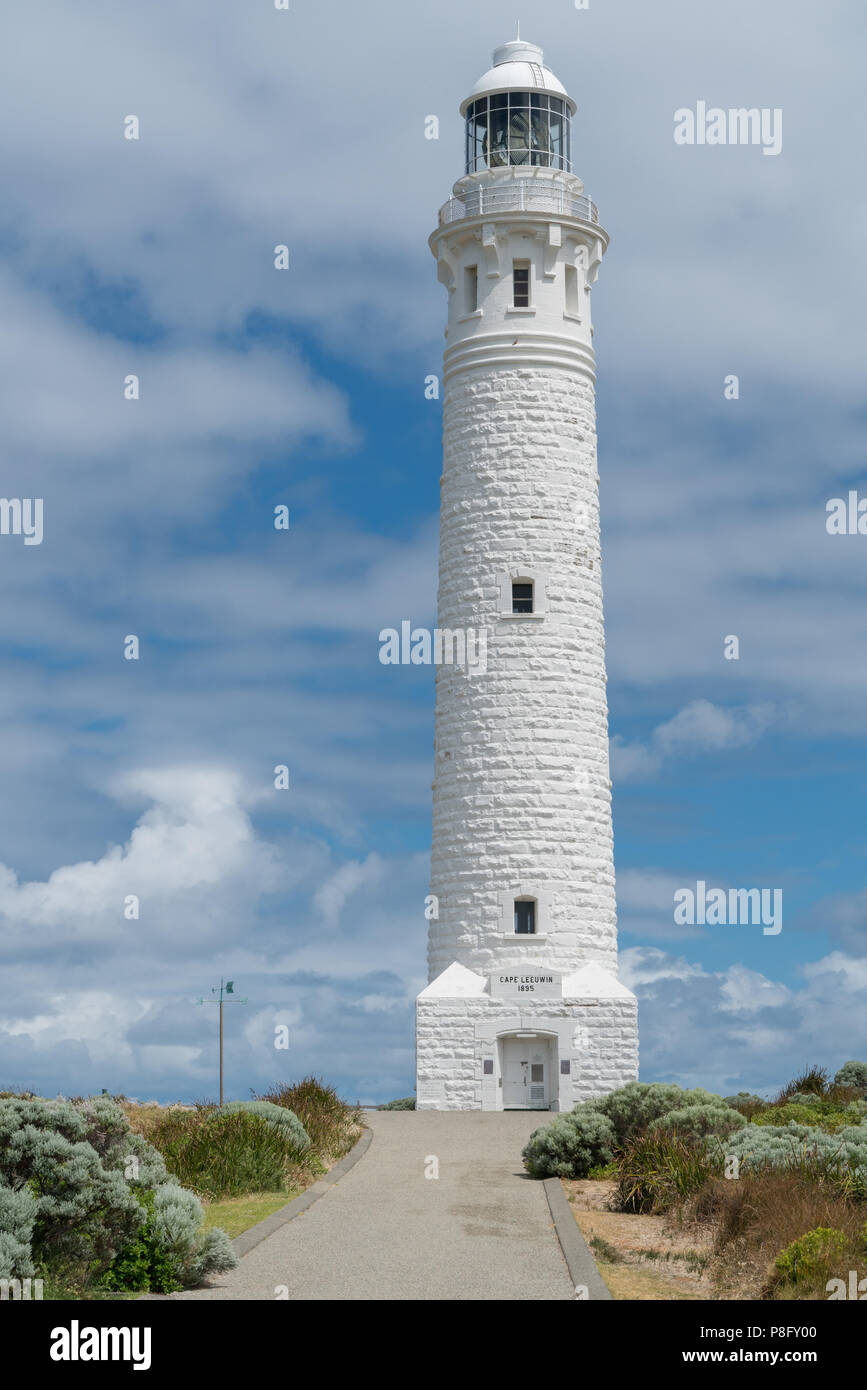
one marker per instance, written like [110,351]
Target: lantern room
[518,114]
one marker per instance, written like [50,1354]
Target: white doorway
[527,1072]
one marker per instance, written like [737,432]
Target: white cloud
[350,878]
[738,1028]
[700,727]
[746,991]
[190,854]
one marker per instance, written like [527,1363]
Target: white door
[525,1079]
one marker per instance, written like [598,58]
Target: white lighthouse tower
[524,1009]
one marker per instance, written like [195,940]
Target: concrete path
[482,1230]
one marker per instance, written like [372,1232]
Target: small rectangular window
[471,289]
[522,598]
[521,285]
[572,290]
[525,917]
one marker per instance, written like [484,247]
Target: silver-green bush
[282,1119]
[853,1074]
[17,1219]
[73,1185]
[699,1121]
[570,1146]
[176,1223]
[782,1146]
[634,1107]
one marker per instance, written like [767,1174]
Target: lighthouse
[524,1009]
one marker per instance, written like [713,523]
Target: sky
[304,388]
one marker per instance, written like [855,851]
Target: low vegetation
[225,1153]
[85,1201]
[331,1124]
[777,1186]
[102,1197]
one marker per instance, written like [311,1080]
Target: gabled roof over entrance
[457,982]
[594,982]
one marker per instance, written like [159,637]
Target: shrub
[699,1121]
[283,1119]
[331,1124]
[854,1075]
[627,1112]
[170,1251]
[570,1146]
[812,1257]
[195,1253]
[632,1108]
[658,1169]
[810,1111]
[82,1195]
[760,1215]
[84,1211]
[141,1264]
[18,1211]
[840,1157]
[746,1103]
[407,1103]
[225,1154]
[813,1081]
[98,1122]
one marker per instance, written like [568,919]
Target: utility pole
[225,988]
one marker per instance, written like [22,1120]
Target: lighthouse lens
[541,140]
[498,150]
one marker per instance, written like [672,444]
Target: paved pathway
[482,1230]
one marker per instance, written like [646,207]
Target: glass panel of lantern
[519,127]
[557,140]
[497,146]
[480,135]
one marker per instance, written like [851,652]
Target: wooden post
[221,1044]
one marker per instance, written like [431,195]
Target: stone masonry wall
[603,1046]
[521,791]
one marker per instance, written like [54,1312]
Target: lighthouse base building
[487,1043]
[524,1009]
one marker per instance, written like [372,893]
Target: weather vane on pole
[227,988]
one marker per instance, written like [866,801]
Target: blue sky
[306,387]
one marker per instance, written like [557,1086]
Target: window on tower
[572,304]
[525,916]
[471,289]
[522,596]
[521,285]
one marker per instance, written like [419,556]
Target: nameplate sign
[430,1092]
[526,984]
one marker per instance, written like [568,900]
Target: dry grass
[144,1118]
[759,1215]
[722,1243]
[628,1283]
[640,1256]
